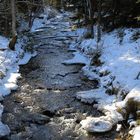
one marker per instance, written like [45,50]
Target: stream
[44,106]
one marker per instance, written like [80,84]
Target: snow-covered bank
[120,58]
[118,73]
[9,70]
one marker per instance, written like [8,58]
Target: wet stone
[35,118]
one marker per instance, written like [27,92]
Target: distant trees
[113,11]
[105,14]
[108,14]
[10,10]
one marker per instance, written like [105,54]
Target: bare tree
[89,14]
[62,4]
[99,22]
[13,12]
[14,33]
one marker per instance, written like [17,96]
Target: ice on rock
[97,95]
[77,59]
[92,124]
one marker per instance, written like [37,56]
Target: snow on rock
[103,123]
[77,59]
[38,23]
[9,82]
[88,46]
[3,42]
[90,72]
[134,94]
[27,56]
[44,19]
[96,95]
[100,124]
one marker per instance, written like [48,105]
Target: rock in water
[97,125]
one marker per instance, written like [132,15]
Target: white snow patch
[90,73]
[44,19]
[122,60]
[26,58]
[38,23]
[77,59]
[96,95]
[88,46]
[3,42]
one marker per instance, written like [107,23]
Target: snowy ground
[9,70]
[118,73]
[120,58]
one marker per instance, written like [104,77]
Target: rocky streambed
[44,106]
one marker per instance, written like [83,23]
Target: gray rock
[35,118]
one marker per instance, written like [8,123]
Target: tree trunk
[13,12]
[99,22]
[14,33]
[91,15]
[62,4]
[85,11]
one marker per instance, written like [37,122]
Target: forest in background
[108,14]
